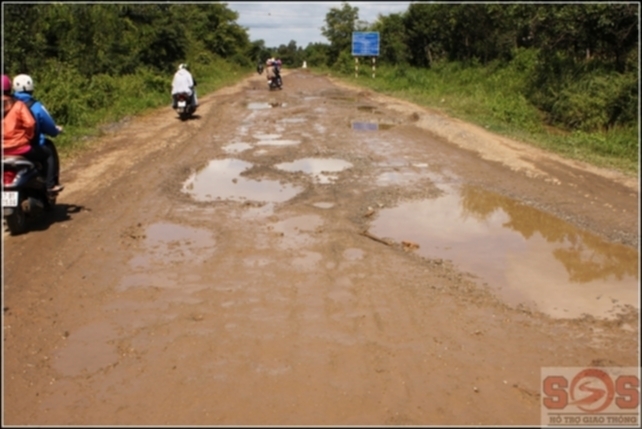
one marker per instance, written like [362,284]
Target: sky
[277,23]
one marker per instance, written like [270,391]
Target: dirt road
[318,255]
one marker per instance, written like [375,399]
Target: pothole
[221,180]
[525,255]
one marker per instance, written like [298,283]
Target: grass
[492,97]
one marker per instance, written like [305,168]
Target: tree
[392,33]
[316,54]
[340,24]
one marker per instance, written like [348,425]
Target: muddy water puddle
[221,180]
[407,172]
[236,147]
[317,168]
[294,120]
[297,231]
[273,140]
[526,256]
[167,242]
[168,245]
[324,205]
[369,126]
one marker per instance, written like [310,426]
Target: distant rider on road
[184,82]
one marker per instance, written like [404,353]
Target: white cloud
[277,23]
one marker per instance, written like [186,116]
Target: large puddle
[222,180]
[525,255]
[316,167]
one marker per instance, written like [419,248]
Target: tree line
[573,54]
[117,39]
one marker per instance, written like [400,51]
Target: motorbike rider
[184,82]
[277,71]
[19,134]
[273,70]
[45,125]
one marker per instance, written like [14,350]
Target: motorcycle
[275,83]
[24,192]
[184,106]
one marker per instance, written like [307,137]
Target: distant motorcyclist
[259,67]
[184,82]
[277,71]
[273,70]
[23,88]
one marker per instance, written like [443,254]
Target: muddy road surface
[320,255]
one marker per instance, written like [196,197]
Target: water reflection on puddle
[88,350]
[293,120]
[221,180]
[296,231]
[170,243]
[526,255]
[397,178]
[316,167]
[369,126]
[323,205]
[273,140]
[236,147]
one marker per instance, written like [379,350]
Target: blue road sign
[365,44]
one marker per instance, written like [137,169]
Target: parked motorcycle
[184,106]
[24,192]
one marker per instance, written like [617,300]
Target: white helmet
[23,83]
[182,66]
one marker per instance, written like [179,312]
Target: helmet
[6,83]
[23,83]
[182,66]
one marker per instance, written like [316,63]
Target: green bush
[345,63]
[103,89]
[596,101]
[64,91]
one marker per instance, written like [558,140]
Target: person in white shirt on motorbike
[184,82]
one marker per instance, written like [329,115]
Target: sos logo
[591,390]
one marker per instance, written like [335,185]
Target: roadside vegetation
[564,77]
[493,96]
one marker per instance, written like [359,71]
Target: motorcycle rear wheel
[17,221]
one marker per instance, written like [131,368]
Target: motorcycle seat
[17,161]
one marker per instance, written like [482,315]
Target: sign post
[365,44]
